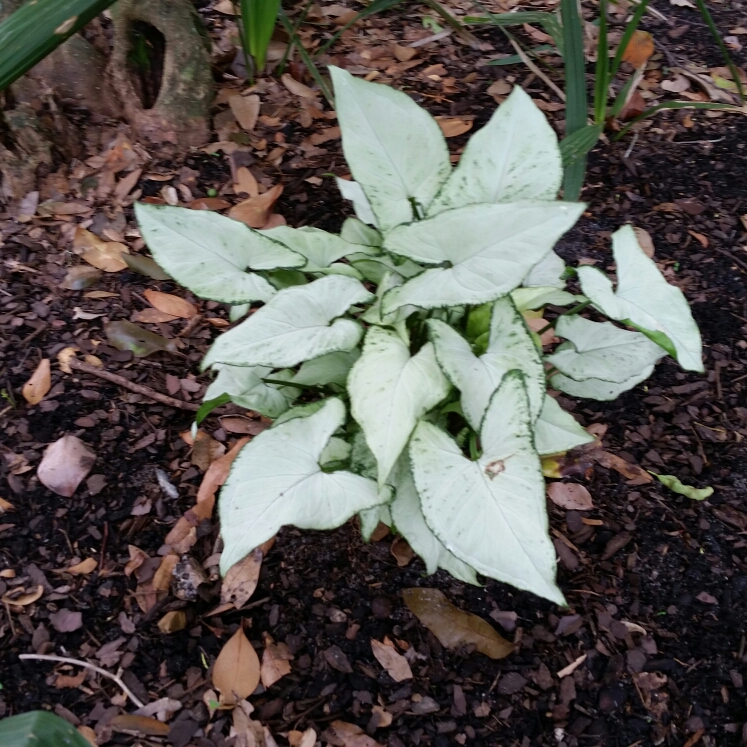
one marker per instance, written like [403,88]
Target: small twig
[146,391]
[86,665]
[740,262]
[525,59]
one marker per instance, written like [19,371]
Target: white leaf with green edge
[319,248]
[556,430]
[395,150]
[353,191]
[375,268]
[389,390]
[491,512]
[548,271]
[239,311]
[408,518]
[675,485]
[298,324]
[603,391]
[332,368]
[357,232]
[514,157]
[299,411]
[336,450]
[341,268]
[645,300]
[372,517]
[488,250]
[601,351]
[208,253]
[374,315]
[510,347]
[362,459]
[276,481]
[245,387]
[536,297]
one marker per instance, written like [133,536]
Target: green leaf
[332,368]
[410,522]
[389,391]
[208,253]
[510,347]
[601,351]
[674,484]
[514,157]
[374,313]
[299,323]
[319,248]
[276,480]
[575,146]
[396,150]
[37,28]
[144,266]
[39,729]
[208,405]
[299,411]
[244,386]
[645,298]
[536,297]
[258,18]
[491,512]
[556,430]
[124,335]
[487,251]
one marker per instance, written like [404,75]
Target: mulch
[657,583]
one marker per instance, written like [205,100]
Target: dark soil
[657,583]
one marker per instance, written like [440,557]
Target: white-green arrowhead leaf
[486,251]
[389,390]
[246,388]
[332,368]
[514,157]
[557,431]
[601,351]
[410,522]
[353,191]
[510,347]
[644,298]
[319,248]
[548,271]
[208,253]
[357,232]
[604,391]
[396,150]
[371,517]
[276,480]
[534,298]
[491,512]
[297,324]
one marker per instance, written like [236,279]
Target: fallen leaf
[241,580]
[127,183]
[453,627]
[255,211]
[145,725]
[170,304]
[89,565]
[639,49]
[206,450]
[66,621]
[65,464]
[454,126]
[5,506]
[634,106]
[103,255]
[245,183]
[570,495]
[72,681]
[209,203]
[145,266]
[27,207]
[348,735]
[674,484]
[302,739]
[246,110]
[88,734]
[395,664]
[40,382]
[152,316]
[22,598]
[274,221]
[402,551]
[632,472]
[236,672]
[296,88]
[137,558]
[645,241]
[499,89]
[64,357]
[80,277]
[700,238]
[678,84]
[163,708]
[173,622]
[275,662]
[162,577]
[124,335]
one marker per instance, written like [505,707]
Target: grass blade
[601,82]
[258,18]
[37,29]
[575,91]
[677,105]
[577,145]
[724,51]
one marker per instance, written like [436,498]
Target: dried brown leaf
[65,464]
[255,211]
[348,735]
[246,110]
[40,382]
[275,662]
[173,622]
[296,88]
[236,672]
[206,450]
[162,577]
[170,304]
[454,126]
[241,580]
[150,727]
[22,598]
[83,568]
[570,495]
[453,627]
[395,664]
